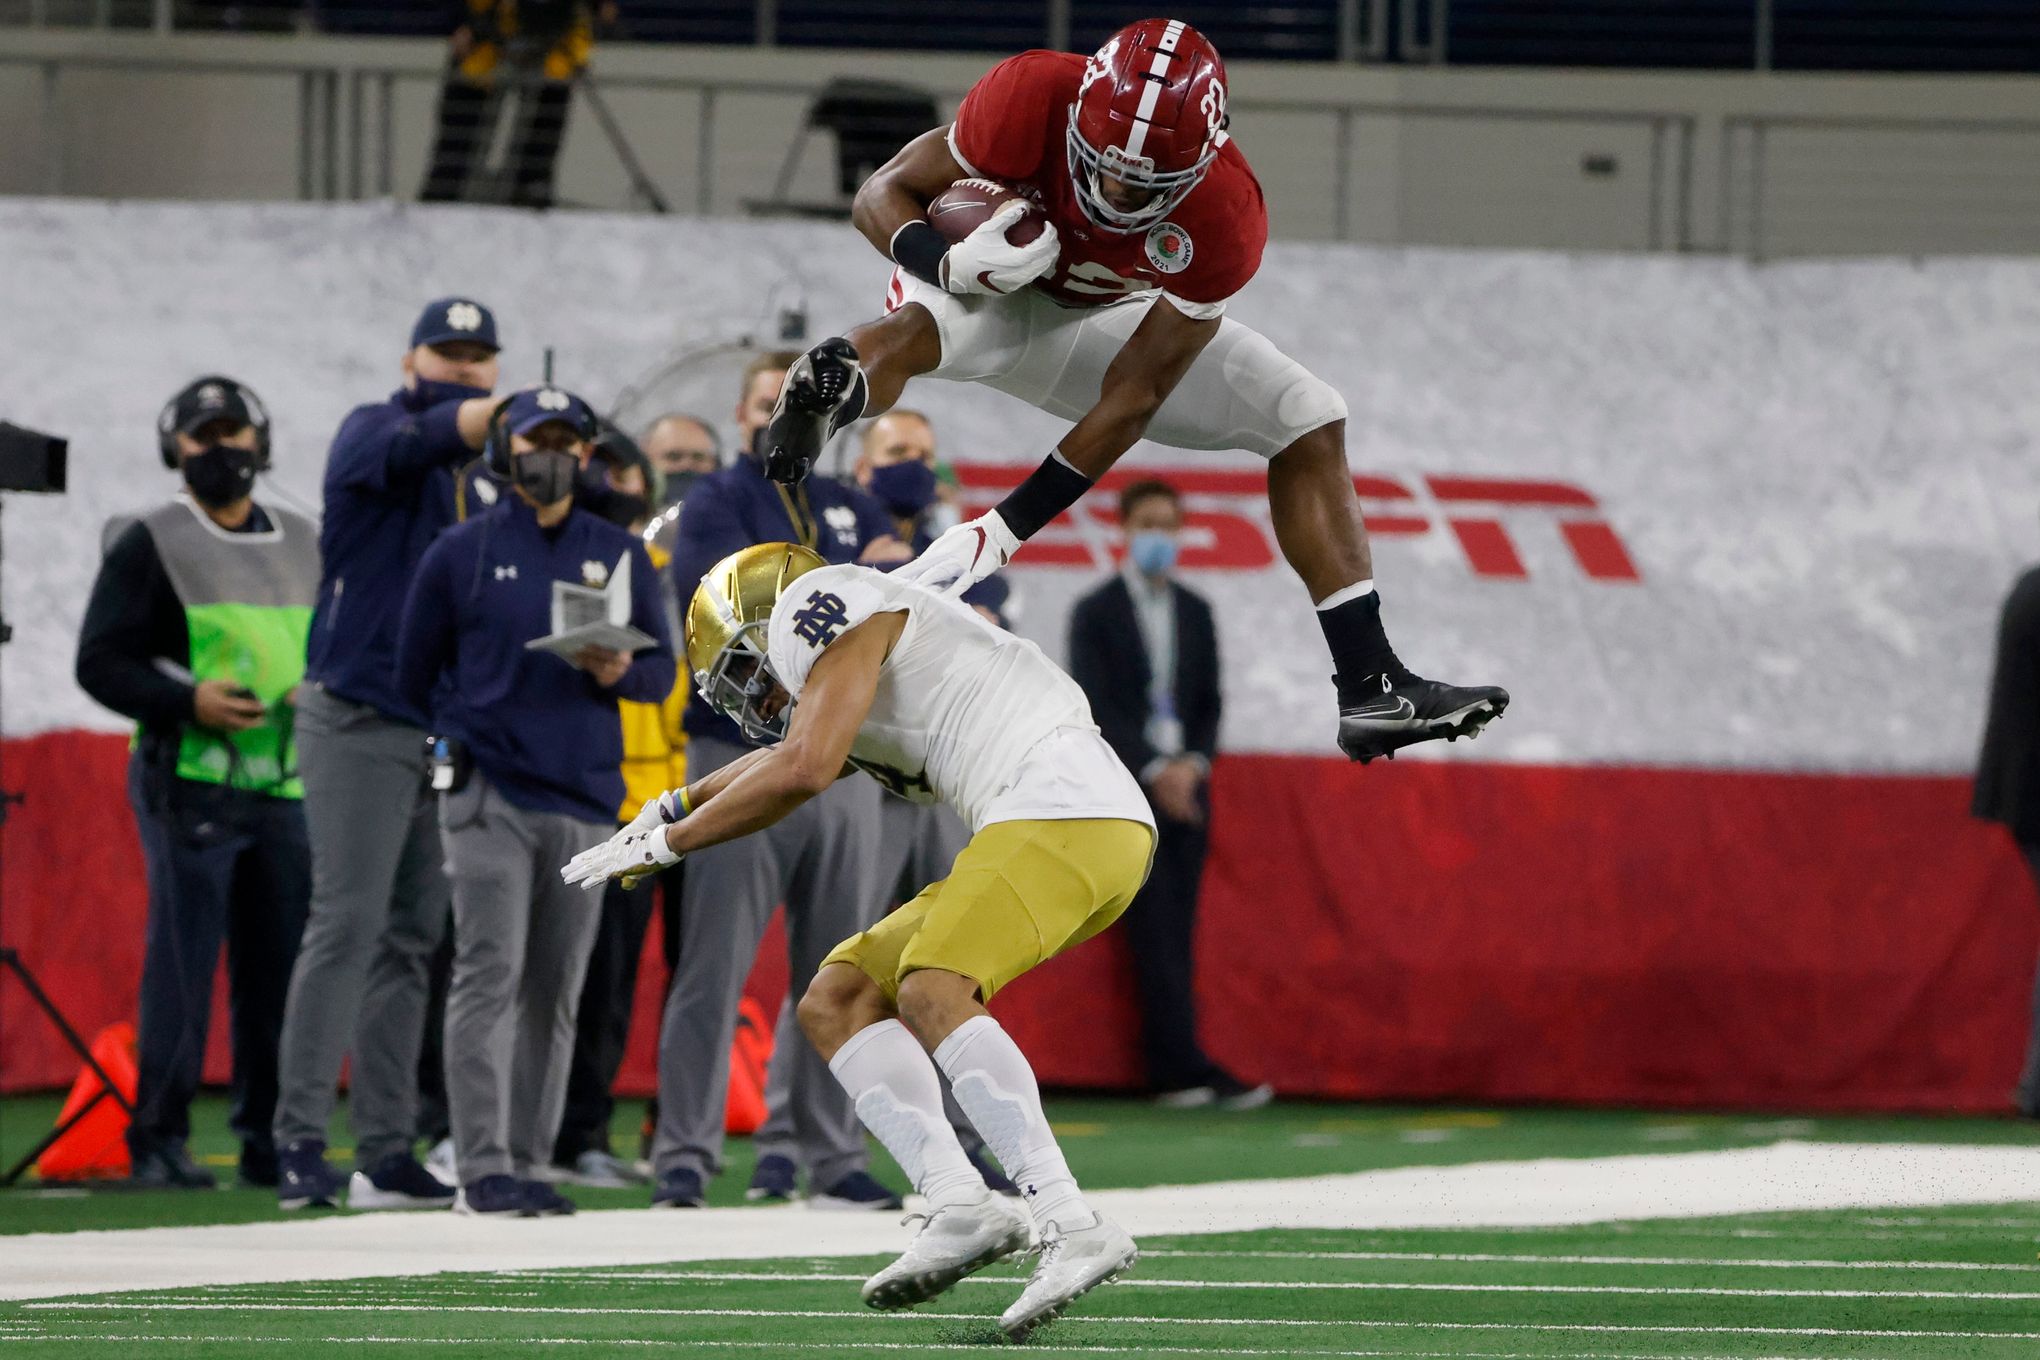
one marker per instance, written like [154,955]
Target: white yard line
[1509,1258]
[1784,1176]
[664,1343]
[1365,1324]
[1138,1282]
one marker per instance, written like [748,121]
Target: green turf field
[1912,1284]
[1940,1284]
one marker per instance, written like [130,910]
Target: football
[964,206]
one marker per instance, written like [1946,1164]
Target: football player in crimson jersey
[1114,317]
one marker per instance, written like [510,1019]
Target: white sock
[1353,592]
[899,1098]
[997,1090]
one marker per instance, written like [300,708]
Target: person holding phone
[196,629]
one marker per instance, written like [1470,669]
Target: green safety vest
[248,601]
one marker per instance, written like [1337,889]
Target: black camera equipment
[35,462]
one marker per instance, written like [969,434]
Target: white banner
[1689,511]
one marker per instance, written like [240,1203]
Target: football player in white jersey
[839,669]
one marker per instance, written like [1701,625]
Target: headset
[496,448]
[258,419]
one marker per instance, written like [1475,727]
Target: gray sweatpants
[822,863]
[521,938]
[379,902]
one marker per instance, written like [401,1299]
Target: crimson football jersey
[1011,128]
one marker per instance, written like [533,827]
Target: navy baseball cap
[447,319]
[536,406]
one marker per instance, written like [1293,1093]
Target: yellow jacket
[654,745]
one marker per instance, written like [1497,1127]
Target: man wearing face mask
[1145,651]
[821,863]
[529,772]
[379,894]
[654,757]
[196,629]
[896,465]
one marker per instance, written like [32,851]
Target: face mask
[547,475]
[624,509]
[677,484]
[426,393]
[906,488]
[1153,552]
[220,474]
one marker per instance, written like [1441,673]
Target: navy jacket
[388,494]
[540,729]
[1109,661]
[735,508]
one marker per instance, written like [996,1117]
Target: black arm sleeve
[1049,490]
[133,617]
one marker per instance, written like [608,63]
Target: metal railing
[1760,35]
[347,128]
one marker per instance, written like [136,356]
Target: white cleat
[954,1240]
[1072,1264]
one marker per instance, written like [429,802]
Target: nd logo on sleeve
[819,621]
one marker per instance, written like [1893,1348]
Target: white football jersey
[965,713]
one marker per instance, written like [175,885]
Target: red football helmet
[1149,116]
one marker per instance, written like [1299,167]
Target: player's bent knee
[934,1001]
[840,1001]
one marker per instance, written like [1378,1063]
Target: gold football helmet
[726,622]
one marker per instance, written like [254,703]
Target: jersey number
[1094,278]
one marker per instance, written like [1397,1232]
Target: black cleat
[1411,710]
[824,391]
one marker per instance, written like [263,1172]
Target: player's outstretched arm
[819,734]
[1146,370]
[899,191]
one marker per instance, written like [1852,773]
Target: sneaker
[1407,711]
[858,1190]
[501,1195]
[542,1201]
[168,1166]
[1073,1263]
[397,1182]
[1186,1097]
[599,1170]
[818,386]
[441,1164]
[954,1241]
[679,1189]
[996,1181]
[1230,1093]
[257,1169]
[303,1180]
[773,1181]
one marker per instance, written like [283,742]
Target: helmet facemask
[1166,188]
[740,682]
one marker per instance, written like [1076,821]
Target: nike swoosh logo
[1401,709]
[982,540]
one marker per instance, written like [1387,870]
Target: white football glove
[985,262]
[634,851]
[962,556]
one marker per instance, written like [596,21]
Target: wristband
[1048,491]
[686,803]
[918,248]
